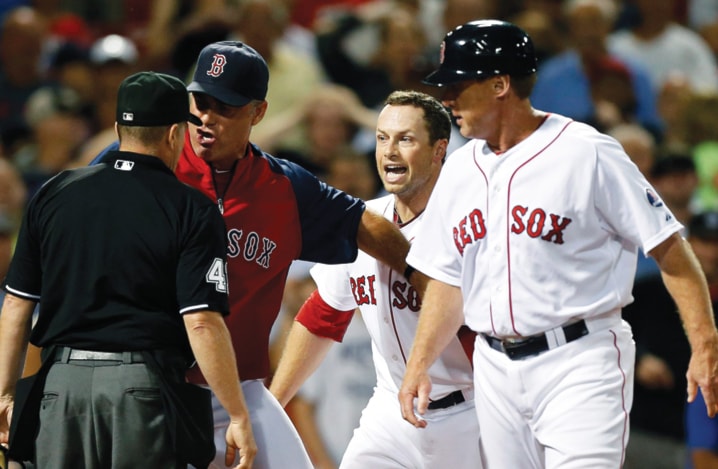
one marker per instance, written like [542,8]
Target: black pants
[102,415]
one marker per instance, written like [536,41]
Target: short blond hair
[608,8]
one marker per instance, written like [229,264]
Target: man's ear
[501,84]
[259,111]
[440,150]
[175,135]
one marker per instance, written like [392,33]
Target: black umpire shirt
[115,253]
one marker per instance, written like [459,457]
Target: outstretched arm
[212,348]
[686,283]
[15,325]
[441,317]
[316,326]
[302,355]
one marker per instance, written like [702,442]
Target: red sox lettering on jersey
[403,294]
[536,223]
[249,247]
[390,307]
[260,248]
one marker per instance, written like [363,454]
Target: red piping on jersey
[508,219]
[486,204]
[393,322]
[465,335]
[402,224]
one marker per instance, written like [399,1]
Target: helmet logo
[217,67]
[441,52]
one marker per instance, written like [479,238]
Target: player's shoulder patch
[653,198]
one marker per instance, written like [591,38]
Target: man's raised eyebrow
[400,132]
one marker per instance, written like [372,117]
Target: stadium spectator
[666,48]
[584,82]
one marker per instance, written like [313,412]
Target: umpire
[128,265]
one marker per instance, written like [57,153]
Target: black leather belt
[456,397]
[63,354]
[535,344]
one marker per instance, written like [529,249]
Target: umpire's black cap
[150,99]
[484,48]
[231,72]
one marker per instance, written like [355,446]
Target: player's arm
[15,325]
[417,279]
[686,283]
[212,348]
[382,240]
[316,327]
[302,355]
[440,318]
[334,224]
[33,360]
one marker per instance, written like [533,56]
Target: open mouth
[205,138]
[394,172]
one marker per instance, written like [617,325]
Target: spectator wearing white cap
[113,57]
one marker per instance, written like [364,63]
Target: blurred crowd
[643,71]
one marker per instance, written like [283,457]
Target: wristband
[408,271]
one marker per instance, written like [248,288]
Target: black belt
[456,397]
[533,345]
[64,354]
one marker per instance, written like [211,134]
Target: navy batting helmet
[481,49]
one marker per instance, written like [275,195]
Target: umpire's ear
[173,144]
[259,108]
[175,135]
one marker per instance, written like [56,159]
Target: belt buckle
[93,355]
[526,346]
[512,343]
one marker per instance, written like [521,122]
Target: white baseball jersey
[542,234]
[390,308]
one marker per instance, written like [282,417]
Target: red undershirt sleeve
[321,319]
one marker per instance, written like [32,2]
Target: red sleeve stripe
[321,319]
